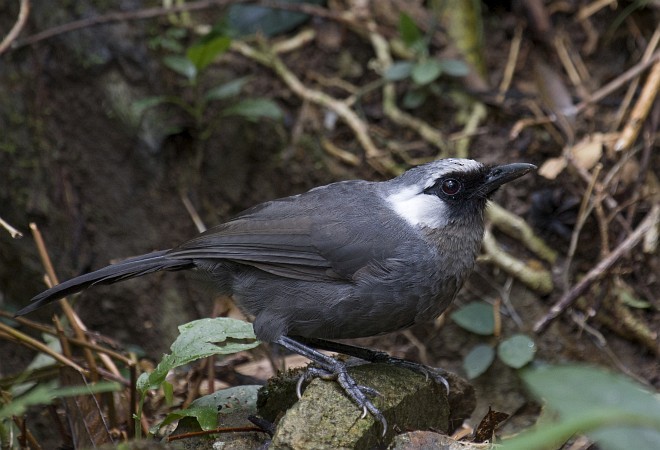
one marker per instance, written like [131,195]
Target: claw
[299,386]
[364,412]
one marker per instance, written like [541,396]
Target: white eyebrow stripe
[417,208]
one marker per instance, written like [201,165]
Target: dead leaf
[552,167]
[588,151]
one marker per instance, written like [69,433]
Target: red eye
[451,186]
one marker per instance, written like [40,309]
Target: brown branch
[650,221]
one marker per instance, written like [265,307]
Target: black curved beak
[499,175]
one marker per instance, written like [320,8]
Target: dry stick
[41,347]
[78,327]
[23,14]
[631,241]
[641,110]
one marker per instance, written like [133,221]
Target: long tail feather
[129,268]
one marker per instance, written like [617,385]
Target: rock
[326,418]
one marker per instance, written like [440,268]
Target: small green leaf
[399,70]
[44,394]
[516,351]
[251,19]
[140,106]
[478,360]
[226,90]
[414,98]
[454,67]
[254,109]
[409,31]
[205,52]
[425,72]
[476,317]
[181,65]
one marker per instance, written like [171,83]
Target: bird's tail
[129,268]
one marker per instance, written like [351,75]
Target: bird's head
[448,191]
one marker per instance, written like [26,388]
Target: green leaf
[44,394]
[399,70]
[206,409]
[181,65]
[409,31]
[255,108]
[425,72]
[478,360]
[516,351]
[200,339]
[454,67]
[205,52]
[414,98]
[226,90]
[140,106]
[611,409]
[476,317]
[251,19]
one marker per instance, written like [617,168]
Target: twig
[12,231]
[123,16]
[392,111]
[376,158]
[41,347]
[632,88]
[23,14]
[538,280]
[631,241]
[618,82]
[76,324]
[517,228]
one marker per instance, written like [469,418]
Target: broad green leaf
[206,409]
[254,109]
[399,70]
[409,31]
[200,339]
[425,72]
[204,53]
[454,67]
[516,351]
[476,317]
[181,65]
[478,360]
[611,409]
[226,90]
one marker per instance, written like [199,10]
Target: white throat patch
[418,209]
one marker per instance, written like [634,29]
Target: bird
[350,259]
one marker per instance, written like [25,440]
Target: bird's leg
[375,356]
[329,367]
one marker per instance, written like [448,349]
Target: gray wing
[301,237]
